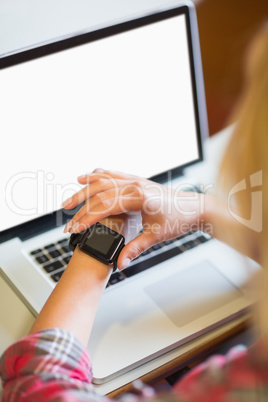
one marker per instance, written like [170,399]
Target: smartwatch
[100,242]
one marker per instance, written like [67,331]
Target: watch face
[103,242]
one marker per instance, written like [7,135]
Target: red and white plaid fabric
[52,365]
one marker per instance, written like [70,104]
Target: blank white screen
[122,103]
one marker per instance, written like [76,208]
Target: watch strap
[75,239]
[78,238]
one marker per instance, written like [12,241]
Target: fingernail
[74,227]
[125,263]
[66,202]
[69,225]
[83,176]
[66,228]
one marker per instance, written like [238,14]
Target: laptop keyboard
[53,258]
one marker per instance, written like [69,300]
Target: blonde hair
[247,154]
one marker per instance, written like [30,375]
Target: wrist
[89,266]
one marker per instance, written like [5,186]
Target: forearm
[73,303]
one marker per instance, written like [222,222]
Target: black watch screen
[100,242]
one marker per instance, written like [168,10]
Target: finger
[89,178]
[84,176]
[102,199]
[97,185]
[134,248]
[112,206]
[98,198]
[108,207]
[98,170]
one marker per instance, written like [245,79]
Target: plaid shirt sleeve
[52,365]
[48,365]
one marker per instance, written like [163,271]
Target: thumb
[133,249]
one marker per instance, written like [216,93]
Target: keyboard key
[49,246]
[150,262]
[196,242]
[189,244]
[146,252]
[54,253]
[56,277]
[34,252]
[62,242]
[115,278]
[202,239]
[167,242]
[67,259]
[41,259]
[53,266]
[156,246]
[184,235]
[65,248]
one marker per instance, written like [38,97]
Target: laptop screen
[124,102]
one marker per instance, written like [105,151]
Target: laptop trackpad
[192,293]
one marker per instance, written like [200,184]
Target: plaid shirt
[52,365]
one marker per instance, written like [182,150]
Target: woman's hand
[130,201]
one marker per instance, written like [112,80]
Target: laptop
[127,97]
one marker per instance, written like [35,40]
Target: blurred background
[225,28]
